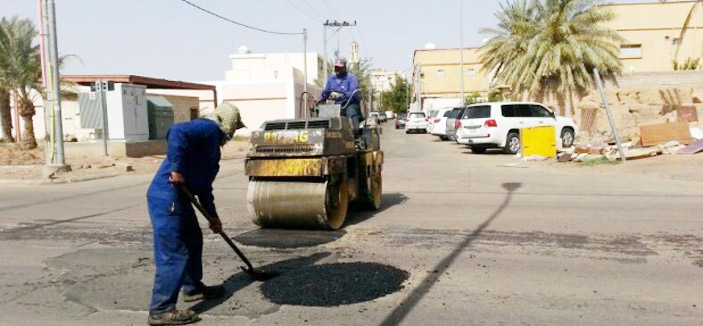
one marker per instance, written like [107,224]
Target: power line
[331,9]
[313,9]
[238,23]
[349,34]
[303,11]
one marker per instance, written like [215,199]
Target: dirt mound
[12,154]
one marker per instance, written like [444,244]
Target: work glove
[176,178]
[335,95]
[216,225]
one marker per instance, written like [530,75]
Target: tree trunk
[6,116]
[28,140]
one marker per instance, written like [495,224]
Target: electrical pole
[339,26]
[56,161]
[305,73]
[461,50]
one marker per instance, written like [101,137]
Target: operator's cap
[340,63]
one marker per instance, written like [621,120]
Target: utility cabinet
[126,108]
[161,116]
[126,113]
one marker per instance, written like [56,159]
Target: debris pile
[658,139]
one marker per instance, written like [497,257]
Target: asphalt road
[461,239]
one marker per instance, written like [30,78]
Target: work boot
[205,293]
[173,317]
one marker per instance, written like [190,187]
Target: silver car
[452,119]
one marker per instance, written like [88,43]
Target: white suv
[497,125]
[417,122]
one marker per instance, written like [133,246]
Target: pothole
[331,285]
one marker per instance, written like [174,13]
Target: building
[130,131]
[264,86]
[382,81]
[247,65]
[657,34]
[437,77]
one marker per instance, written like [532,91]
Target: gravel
[331,285]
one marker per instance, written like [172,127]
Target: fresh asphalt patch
[277,238]
[329,285]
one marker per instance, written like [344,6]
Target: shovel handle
[224,236]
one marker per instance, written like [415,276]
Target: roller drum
[297,204]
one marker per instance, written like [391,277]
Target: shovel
[249,269]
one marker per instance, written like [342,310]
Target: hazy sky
[170,39]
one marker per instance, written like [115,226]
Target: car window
[478,112]
[417,115]
[508,111]
[455,113]
[447,113]
[434,114]
[516,110]
[540,112]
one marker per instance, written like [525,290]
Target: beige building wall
[652,33]
[438,75]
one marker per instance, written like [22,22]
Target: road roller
[307,173]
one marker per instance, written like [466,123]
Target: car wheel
[443,138]
[478,150]
[567,137]
[512,143]
[407,132]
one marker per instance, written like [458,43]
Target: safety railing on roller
[285,148]
[294,125]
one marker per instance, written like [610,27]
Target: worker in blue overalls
[192,161]
[343,88]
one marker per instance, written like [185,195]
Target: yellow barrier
[538,141]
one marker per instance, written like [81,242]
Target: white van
[497,125]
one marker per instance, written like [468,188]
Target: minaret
[354,54]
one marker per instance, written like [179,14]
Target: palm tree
[550,47]
[5,115]
[684,28]
[20,69]
[517,25]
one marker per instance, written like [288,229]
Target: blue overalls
[194,151]
[346,85]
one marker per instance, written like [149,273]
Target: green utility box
[161,116]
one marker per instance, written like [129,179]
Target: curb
[55,181]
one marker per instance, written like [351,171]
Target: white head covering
[227,117]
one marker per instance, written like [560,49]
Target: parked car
[400,121]
[452,119]
[497,125]
[381,116]
[378,115]
[417,122]
[438,123]
[390,115]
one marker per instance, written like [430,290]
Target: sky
[170,39]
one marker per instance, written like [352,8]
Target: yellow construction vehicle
[305,173]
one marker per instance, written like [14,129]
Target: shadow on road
[56,222]
[241,280]
[400,312]
[389,200]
